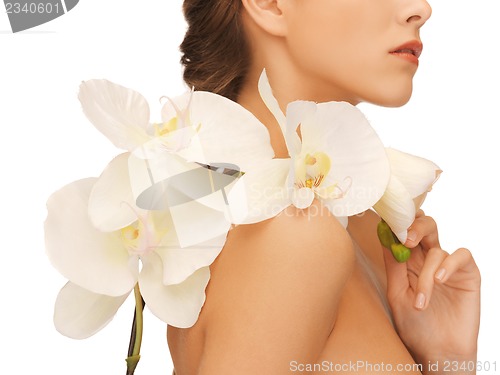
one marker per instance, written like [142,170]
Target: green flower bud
[387,238]
[400,252]
[385,234]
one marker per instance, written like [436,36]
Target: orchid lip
[413,47]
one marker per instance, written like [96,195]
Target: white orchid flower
[338,159]
[202,126]
[174,275]
[123,116]
[103,266]
[412,177]
[198,130]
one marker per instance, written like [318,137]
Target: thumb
[397,275]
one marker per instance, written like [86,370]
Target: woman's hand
[435,299]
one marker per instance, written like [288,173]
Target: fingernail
[412,236]
[440,274]
[420,301]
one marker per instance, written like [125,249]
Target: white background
[46,142]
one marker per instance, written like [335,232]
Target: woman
[299,293]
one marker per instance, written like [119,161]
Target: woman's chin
[391,97]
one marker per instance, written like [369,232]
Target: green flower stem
[134,347]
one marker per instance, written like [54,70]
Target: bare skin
[330,308]
[361,329]
[290,291]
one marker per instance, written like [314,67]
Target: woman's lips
[409,51]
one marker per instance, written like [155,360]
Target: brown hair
[214,50]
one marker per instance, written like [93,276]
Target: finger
[419,213]
[460,260]
[433,261]
[423,231]
[397,276]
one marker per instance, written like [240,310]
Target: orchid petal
[415,173]
[121,114]
[333,207]
[261,193]
[178,140]
[220,182]
[266,93]
[418,201]
[175,107]
[111,203]
[79,313]
[302,198]
[161,179]
[180,263]
[296,113]
[196,223]
[358,164]
[95,260]
[169,182]
[178,305]
[396,208]
[226,132]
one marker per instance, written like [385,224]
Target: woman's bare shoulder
[274,292]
